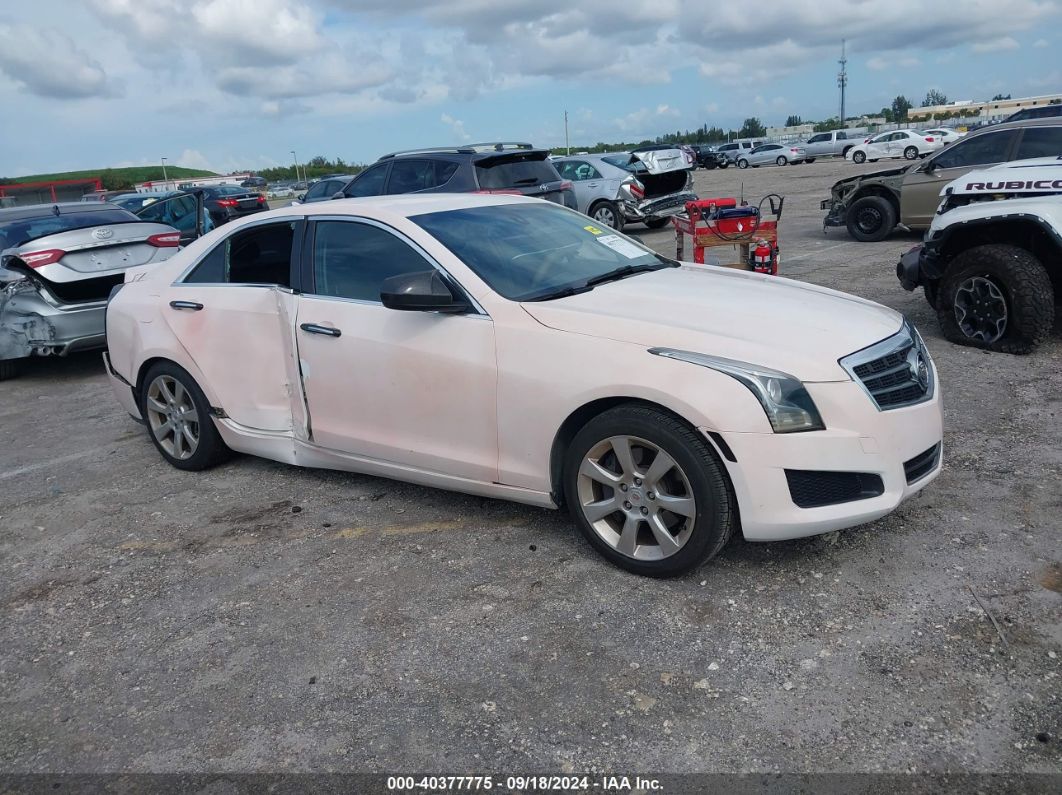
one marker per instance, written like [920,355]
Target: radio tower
[842,79]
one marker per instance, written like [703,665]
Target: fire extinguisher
[763,257]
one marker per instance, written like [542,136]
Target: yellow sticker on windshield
[594,230]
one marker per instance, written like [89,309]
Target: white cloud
[996,45]
[457,127]
[877,64]
[48,63]
[1040,43]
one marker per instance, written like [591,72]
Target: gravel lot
[260,617]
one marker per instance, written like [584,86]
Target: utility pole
[842,79]
[164,178]
[296,166]
[567,147]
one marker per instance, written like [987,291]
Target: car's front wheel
[177,416]
[870,219]
[607,213]
[743,163]
[996,297]
[911,153]
[647,491]
[859,157]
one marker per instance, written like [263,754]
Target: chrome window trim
[905,337]
[429,259]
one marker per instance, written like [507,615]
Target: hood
[660,161]
[1040,175]
[790,326]
[849,181]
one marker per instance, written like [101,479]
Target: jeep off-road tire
[859,157]
[870,219]
[658,517]
[1001,288]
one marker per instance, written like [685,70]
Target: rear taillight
[165,240]
[929,139]
[567,186]
[38,259]
[261,200]
[228,202]
[637,190]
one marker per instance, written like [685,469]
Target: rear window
[24,230]
[494,175]
[619,161]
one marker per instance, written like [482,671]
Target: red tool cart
[713,223]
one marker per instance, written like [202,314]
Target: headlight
[786,402]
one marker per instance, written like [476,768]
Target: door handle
[186,305]
[314,328]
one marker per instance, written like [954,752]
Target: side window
[840,136]
[351,259]
[816,139]
[408,176]
[369,183]
[177,211]
[1040,142]
[983,149]
[260,255]
[319,191]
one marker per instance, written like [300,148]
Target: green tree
[900,106]
[887,114]
[793,121]
[752,128]
[998,97]
[934,97]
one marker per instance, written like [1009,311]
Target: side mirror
[424,291]
[930,166]
[339,195]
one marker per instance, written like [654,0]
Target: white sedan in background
[908,144]
[511,348]
[944,134]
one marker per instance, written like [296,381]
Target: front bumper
[658,207]
[858,439]
[32,323]
[837,214]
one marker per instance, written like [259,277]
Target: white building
[993,110]
[182,183]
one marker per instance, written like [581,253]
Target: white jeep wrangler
[991,262]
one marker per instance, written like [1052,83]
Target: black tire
[781,161]
[716,513]
[870,219]
[742,163]
[609,209]
[932,291]
[846,150]
[1024,288]
[211,449]
[9,368]
[656,223]
[809,160]
[859,157]
[910,153]
[723,165]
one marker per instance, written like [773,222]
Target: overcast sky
[232,84]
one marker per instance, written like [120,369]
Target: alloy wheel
[636,498]
[173,417]
[981,309]
[606,216]
[911,153]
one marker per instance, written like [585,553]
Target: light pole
[164,178]
[296,165]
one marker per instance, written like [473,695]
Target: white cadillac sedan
[511,348]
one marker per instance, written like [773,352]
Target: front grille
[895,372]
[811,489]
[922,464]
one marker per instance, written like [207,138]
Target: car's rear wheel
[911,153]
[809,160]
[742,163]
[9,368]
[647,491]
[870,219]
[177,416]
[607,213]
[781,160]
[656,223]
[724,165]
[996,297]
[859,157]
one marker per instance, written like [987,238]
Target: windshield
[530,251]
[24,230]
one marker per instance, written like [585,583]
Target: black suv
[708,157]
[514,168]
